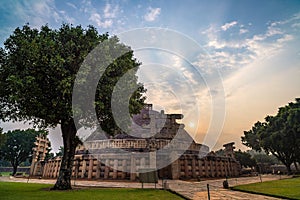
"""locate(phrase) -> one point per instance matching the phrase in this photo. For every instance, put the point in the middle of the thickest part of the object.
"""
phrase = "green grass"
(286, 188)
(10, 173)
(5, 173)
(32, 191)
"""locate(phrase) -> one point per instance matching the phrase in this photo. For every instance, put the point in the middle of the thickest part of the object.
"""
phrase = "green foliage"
(49, 155)
(278, 135)
(4, 163)
(31, 191)
(262, 157)
(41, 66)
(18, 146)
(116, 70)
(220, 152)
(245, 159)
(285, 189)
(251, 138)
(38, 69)
(60, 151)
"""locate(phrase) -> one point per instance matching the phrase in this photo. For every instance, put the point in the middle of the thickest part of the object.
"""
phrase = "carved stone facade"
(155, 141)
(39, 153)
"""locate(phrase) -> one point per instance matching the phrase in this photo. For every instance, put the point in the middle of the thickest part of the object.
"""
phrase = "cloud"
(242, 31)
(110, 12)
(38, 13)
(295, 25)
(71, 5)
(96, 18)
(104, 18)
(229, 53)
(152, 14)
(227, 26)
(295, 17)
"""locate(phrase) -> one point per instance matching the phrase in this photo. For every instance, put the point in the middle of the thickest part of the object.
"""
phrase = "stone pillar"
(193, 167)
(98, 169)
(186, 167)
(45, 169)
(221, 170)
(143, 163)
(175, 173)
(152, 161)
(218, 167)
(49, 171)
(91, 163)
(152, 123)
(83, 168)
(132, 167)
(228, 168)
(231, 168)
(124, 168)
(33, 162)
(35, 168)
(115, 169)
(206, 164)
(55, 169)
(211, 168)
(106, 170)
(200, 167)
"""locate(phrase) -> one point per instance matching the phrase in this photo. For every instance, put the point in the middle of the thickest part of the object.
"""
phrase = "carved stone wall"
(116, 167)
(39, 153)
(122, 156)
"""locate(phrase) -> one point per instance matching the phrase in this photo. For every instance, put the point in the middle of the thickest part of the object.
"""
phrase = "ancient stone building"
(39, 153)
(155, 141)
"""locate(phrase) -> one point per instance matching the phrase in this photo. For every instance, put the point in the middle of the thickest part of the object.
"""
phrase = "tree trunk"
(15, 167)
(296, 166)
(63, 181)
(288, 167)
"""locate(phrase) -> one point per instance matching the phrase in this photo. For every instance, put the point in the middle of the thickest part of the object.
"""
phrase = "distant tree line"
(252, 159)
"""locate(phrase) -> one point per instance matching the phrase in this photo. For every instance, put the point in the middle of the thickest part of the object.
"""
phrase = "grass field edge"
(178, 194)
(260, 193)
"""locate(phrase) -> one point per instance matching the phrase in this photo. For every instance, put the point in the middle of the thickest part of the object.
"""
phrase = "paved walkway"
(198, 190)
(191, 190)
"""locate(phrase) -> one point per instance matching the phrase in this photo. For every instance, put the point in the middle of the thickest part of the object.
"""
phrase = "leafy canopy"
(38, 69)
(278, 135)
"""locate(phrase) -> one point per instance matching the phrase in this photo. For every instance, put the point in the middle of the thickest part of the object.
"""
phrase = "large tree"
(39, 69)
(278, 135)
(18, 146)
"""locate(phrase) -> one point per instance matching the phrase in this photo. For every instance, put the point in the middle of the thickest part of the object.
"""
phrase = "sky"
(222, 64)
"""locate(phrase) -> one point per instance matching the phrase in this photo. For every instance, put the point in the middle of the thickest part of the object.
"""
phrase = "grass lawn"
(32, 191)
(288, 188)
(5, 173)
